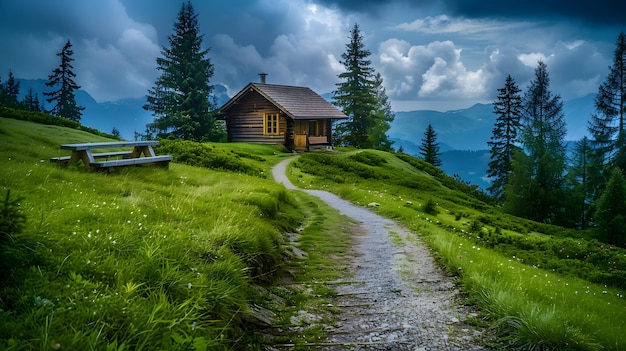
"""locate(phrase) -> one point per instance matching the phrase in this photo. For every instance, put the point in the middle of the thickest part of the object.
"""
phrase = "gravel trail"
(397, 297)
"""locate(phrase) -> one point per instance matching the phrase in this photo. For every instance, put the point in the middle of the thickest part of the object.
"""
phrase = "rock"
(259, 316)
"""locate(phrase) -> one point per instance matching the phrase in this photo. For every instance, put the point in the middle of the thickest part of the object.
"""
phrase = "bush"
(207, 156)
(430, 207)
(11, 217)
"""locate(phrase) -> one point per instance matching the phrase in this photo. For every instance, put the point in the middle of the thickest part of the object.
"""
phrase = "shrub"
(11, 217)
(430, 207)
(204, 155)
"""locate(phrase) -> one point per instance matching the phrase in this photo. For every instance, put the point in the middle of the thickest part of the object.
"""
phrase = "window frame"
(271, 123)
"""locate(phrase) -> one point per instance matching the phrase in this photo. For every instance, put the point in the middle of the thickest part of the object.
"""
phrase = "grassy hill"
(542, 287)
(146, 258)
(140, 258)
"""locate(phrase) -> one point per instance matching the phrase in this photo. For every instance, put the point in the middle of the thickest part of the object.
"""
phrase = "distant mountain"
(470, 129)
(460, 129)
(463, 135)
(471, 166)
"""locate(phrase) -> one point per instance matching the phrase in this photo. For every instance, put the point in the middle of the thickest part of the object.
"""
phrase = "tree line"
(533, 174)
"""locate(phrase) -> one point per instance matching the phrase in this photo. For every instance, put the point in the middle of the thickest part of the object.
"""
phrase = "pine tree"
(356, 95)
(181, 97)
(31, 101)
(62, 78)
(580, 179)
(429, 150)
(607, 125)
(610, 215)
(383, 116)
(504, 138)
(11, 91)
(520, 186)
(543, 138)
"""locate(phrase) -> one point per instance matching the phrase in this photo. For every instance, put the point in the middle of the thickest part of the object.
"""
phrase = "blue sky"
(432, 54)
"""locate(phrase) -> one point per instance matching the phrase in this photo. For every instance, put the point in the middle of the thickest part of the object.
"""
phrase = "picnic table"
(142, 154)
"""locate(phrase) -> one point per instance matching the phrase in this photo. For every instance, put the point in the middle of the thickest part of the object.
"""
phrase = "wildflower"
(189, 286)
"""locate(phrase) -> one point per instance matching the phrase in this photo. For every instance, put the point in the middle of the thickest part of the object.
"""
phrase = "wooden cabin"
(296, 117)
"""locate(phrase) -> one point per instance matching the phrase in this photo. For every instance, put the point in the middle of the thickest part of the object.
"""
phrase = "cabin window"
(271, 122)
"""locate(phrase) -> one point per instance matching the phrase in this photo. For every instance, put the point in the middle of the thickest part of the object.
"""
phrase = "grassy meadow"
(145, 258)
(540, 287)
(139, 258)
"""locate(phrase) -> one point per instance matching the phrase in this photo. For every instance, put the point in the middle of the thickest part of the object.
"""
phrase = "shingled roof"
(295, 102)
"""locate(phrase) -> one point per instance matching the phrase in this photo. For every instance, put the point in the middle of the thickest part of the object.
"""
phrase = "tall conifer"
(504, 138)
(383, 116)
(11, 90)
(181, 99)
(580, 179)
(543, 138)
(361, 98)
(62, 78)
(607, 126)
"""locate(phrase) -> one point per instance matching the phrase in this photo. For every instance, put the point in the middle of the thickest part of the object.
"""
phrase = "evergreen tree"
(520, 186)
(610, 215)
(504, 138)
(607, 125)
(181, 97)
(543, 138)
(62, 78)
(31, 101)
(429, 150)
(11, 91)
(580, 179)
(356, 95)
(383, 116)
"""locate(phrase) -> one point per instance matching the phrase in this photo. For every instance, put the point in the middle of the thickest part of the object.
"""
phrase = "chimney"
(262, 75)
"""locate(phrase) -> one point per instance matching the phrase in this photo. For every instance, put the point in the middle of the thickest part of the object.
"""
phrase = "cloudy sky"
(432, 54)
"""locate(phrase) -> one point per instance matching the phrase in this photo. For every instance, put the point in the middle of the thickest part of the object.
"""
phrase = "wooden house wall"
(245, 121)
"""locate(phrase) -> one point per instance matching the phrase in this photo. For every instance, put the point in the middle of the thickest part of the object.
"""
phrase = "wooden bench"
(318, 140)
(141, 155)
(106, 155)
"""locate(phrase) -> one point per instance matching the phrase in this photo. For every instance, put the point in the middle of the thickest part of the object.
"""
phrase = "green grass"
(326, 238)
(518, 272)
(140, 258)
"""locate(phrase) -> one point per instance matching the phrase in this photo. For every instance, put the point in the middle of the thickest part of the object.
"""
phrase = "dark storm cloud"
(600, 12)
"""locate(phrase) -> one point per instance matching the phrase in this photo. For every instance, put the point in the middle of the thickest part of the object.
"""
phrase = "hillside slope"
(139, 258)
(525, 276)
(151, 258)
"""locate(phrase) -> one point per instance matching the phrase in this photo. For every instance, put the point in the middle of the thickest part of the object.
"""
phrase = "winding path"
(397, 298)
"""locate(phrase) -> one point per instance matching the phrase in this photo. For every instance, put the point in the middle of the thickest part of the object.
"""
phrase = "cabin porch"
(310, 135)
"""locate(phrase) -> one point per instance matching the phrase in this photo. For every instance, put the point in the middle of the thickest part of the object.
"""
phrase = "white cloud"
(431, 71)
(531, 59)
(443, 24)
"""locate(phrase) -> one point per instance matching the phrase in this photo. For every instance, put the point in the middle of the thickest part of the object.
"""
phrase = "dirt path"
(397, 297)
